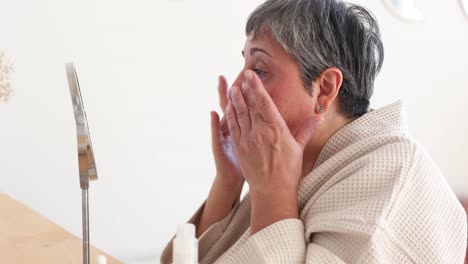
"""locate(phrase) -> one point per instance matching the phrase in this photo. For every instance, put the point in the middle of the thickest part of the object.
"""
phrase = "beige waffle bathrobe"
(374, 196)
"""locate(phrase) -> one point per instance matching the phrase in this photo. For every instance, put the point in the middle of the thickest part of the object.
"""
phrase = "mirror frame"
(86, 162)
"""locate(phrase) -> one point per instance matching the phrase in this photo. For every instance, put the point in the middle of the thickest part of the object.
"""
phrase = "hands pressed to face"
(269, 155)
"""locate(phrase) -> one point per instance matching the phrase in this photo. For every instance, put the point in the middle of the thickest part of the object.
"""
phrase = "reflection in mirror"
(464, 6)
(405, 9)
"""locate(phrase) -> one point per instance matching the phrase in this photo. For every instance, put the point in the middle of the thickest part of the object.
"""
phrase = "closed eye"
(259, 72)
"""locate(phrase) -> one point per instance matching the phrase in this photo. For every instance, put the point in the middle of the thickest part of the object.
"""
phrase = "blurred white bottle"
(101, 259)
(185, 245)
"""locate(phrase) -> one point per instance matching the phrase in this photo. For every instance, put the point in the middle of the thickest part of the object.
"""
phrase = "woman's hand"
(269, 155)
(227, 186)
(227, 167)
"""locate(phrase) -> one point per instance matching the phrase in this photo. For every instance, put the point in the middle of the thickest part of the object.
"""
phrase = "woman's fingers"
(250, 101)
(240, 106)
(223, 101)
(222, 92)
(231, 119)
(216, 135)
(224, 126)
(259, 97)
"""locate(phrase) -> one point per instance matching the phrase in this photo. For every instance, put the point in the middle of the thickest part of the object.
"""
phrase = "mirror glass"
(405, 9)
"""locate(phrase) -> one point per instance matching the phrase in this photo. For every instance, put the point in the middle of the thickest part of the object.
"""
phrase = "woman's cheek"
(271, 89)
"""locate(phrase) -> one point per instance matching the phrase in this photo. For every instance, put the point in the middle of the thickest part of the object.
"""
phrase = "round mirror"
(464, 6)
(405, 9)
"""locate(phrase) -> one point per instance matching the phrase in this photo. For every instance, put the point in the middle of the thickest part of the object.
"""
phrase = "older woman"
(329, 181)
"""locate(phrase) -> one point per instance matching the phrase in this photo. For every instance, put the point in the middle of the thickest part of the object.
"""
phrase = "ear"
(328, 85)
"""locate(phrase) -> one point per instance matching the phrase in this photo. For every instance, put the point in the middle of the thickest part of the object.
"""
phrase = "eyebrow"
(253, 50)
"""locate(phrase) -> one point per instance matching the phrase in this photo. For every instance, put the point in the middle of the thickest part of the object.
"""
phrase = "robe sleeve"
(281, 242)
(285, 242)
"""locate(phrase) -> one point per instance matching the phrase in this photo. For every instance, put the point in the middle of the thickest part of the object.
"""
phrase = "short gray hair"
(321, 34)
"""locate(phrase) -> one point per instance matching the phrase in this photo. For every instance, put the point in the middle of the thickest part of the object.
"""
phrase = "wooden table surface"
(27, 237)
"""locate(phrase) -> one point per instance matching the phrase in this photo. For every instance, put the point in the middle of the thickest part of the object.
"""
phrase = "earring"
(320, 108)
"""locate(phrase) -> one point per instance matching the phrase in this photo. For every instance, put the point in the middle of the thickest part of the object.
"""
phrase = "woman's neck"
(330, 125)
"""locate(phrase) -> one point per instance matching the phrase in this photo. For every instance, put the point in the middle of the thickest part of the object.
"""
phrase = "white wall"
(148, 72)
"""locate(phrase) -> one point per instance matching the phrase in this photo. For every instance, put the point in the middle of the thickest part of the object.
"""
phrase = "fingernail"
(248, 75)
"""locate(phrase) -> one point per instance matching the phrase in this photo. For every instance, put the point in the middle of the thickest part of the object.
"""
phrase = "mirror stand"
(86, 163)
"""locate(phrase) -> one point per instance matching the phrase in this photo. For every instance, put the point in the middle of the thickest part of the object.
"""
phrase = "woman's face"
(281, 77)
